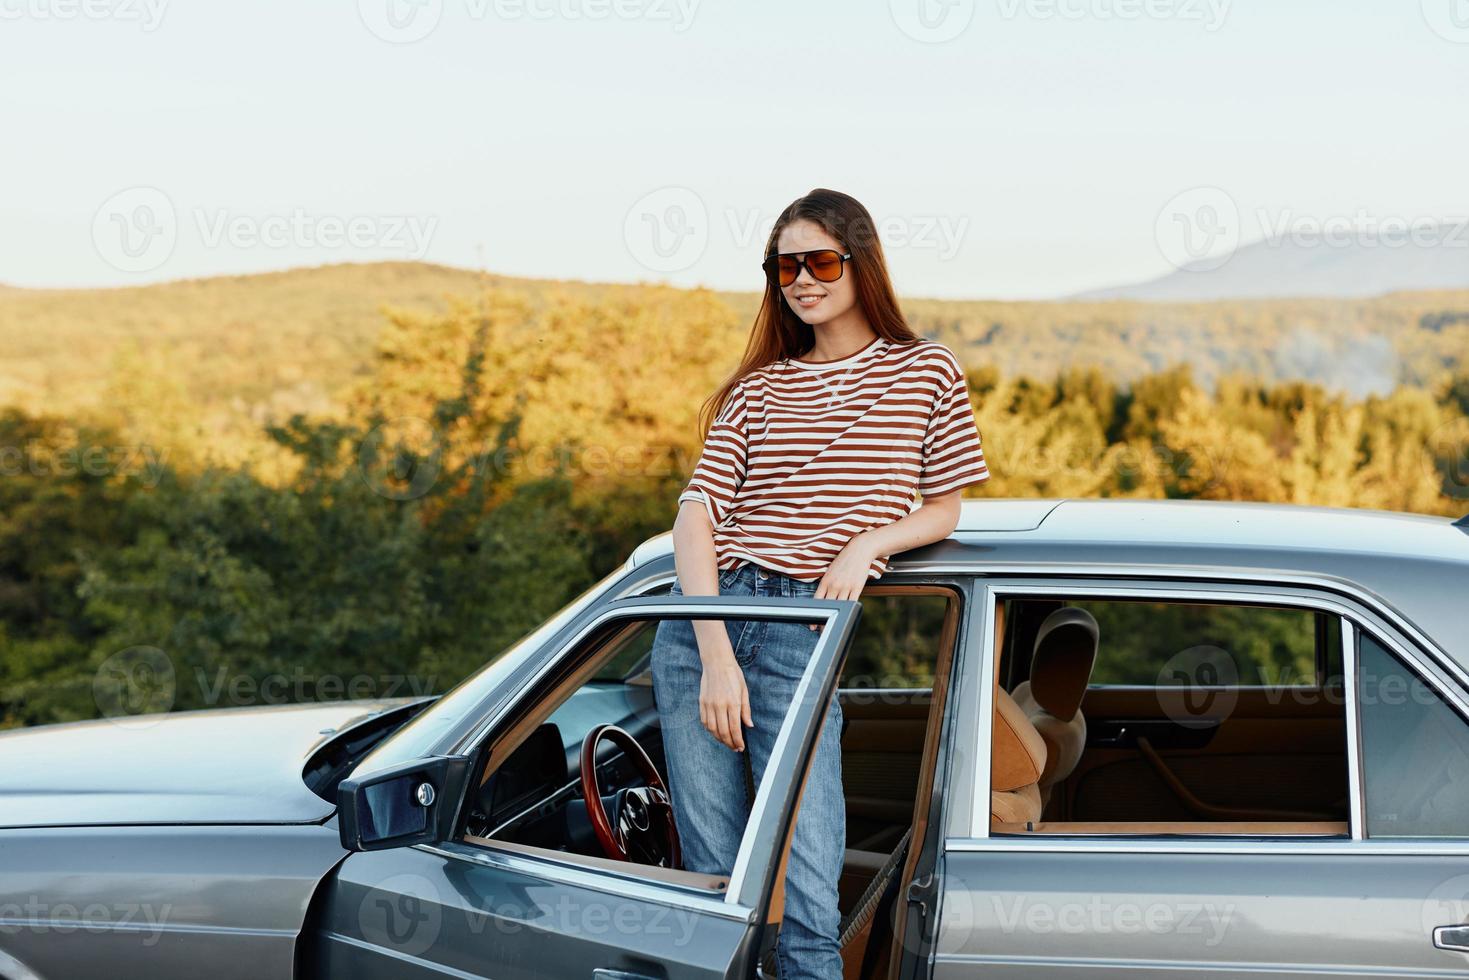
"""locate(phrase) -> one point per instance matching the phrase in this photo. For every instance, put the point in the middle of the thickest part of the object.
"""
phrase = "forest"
(366, 481)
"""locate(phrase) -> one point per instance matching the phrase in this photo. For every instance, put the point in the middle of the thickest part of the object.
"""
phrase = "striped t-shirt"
(804, 455)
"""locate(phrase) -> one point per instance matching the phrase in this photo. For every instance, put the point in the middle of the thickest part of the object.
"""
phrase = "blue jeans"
(707, 779)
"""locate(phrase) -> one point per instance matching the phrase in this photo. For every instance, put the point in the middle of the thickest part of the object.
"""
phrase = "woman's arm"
(934, 520)
(724, 700)
(693, 555)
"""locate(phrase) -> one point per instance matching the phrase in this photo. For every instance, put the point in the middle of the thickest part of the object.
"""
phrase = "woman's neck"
(840, 338)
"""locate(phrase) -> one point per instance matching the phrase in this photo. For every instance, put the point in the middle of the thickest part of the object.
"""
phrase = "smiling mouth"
(809, 301)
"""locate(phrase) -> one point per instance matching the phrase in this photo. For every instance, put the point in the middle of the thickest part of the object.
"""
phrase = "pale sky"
(1011, 148)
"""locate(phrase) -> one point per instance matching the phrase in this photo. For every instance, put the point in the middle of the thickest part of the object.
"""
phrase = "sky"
(1018, 149)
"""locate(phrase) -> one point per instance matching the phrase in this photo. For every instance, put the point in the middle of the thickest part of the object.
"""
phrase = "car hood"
(227, 765)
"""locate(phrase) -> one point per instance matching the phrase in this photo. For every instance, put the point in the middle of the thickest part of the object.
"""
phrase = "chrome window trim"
(960, 733)
(795, 608)
(984, 678)
(1302, 593)
(1356, 795)
(1225, 844)
(1237, 687)
(611, 882)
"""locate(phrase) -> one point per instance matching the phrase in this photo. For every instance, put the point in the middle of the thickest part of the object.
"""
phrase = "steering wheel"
(643, 831)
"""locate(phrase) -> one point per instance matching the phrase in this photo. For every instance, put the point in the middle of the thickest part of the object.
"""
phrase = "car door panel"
(1272, 751)
(1198, 898)
(472, 909)
(458, 911)
(1270, 913)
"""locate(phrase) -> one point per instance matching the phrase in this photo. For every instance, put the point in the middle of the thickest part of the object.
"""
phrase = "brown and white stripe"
(804, 455)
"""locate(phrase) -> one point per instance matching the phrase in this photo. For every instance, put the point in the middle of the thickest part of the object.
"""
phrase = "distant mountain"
(1290, 268)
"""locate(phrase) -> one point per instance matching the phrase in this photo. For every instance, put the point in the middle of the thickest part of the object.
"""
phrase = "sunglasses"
(825, 265)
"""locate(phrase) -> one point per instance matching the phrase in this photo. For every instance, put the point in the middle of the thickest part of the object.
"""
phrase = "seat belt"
(856, 927)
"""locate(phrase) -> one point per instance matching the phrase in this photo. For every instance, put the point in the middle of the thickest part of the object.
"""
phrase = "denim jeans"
(707, 779)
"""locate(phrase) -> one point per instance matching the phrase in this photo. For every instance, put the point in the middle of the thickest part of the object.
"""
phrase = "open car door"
(418, 900)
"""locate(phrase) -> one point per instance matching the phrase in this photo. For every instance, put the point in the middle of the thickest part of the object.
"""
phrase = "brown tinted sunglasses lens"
(825, 265)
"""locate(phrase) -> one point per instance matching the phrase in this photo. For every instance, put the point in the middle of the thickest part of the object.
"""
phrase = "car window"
(537, 790)
(1181, 644)
(1415, 751)
(897, 644)
(630, 657)
(1133, 715)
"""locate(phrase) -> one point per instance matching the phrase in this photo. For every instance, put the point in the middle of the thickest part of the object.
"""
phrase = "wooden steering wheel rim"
(592, 793)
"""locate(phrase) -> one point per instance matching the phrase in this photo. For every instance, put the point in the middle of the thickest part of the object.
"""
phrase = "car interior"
(603, 745)
(1138, 717)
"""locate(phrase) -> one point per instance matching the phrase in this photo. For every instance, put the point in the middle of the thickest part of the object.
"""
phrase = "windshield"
(424, 735)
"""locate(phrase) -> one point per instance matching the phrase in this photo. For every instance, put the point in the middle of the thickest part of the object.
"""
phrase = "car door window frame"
(742, 896)
(961, 589)
(967, 824)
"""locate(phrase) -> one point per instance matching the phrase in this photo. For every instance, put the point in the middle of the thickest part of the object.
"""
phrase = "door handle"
(1452, 937)
(601, 974)
(1108, 738)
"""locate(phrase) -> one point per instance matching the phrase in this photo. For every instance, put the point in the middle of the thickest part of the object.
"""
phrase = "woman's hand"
(847, 574)
(724, 701)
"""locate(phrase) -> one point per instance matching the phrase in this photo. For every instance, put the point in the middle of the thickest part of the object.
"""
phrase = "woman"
(837, 415)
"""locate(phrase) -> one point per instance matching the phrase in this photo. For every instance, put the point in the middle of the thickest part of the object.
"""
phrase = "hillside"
(232, 352)
(262, 343)
(486, 459)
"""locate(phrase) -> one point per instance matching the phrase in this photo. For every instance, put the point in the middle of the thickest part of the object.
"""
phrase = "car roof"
(1174, 524)
(1235, 524)
(1415, 563)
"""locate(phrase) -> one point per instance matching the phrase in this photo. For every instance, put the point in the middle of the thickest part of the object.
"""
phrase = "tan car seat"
(1016, 762)
(1060, 670)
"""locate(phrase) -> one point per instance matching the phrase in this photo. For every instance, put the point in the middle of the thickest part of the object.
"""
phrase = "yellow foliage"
(1213, 400)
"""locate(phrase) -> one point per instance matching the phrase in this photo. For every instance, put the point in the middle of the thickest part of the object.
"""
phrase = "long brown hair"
(777, 331)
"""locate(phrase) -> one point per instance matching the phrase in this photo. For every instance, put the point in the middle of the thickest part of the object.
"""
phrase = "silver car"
(1089, 738)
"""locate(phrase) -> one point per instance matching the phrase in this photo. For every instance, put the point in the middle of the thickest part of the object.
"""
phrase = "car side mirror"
(411, 803)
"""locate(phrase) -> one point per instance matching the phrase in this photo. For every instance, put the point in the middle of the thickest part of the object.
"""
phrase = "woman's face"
(814, 301)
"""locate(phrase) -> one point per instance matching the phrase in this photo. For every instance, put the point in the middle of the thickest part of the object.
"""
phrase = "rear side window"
(1187, 644)
(1415, 751)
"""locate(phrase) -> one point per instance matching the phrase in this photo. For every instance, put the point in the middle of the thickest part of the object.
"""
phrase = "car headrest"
(1019, 755)
(1061, 666)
